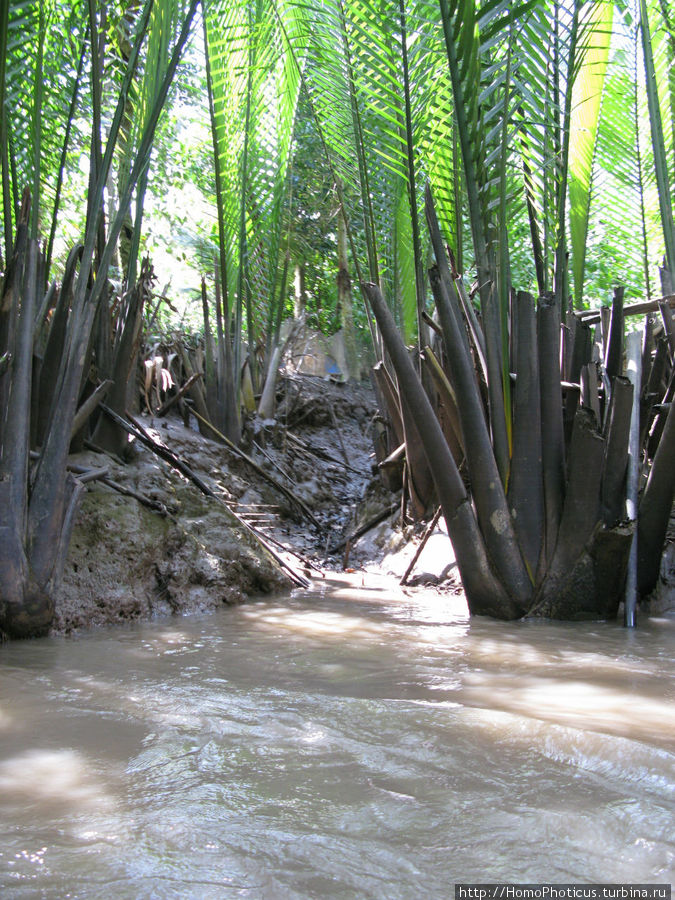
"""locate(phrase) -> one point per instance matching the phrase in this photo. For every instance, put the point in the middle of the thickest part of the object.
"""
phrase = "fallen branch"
(273, 463)
(166, 406)
(425, 537)
(371, 523)
(260, 471)
(339, 434)
(592, 316)
(89, 406)
(137, 431)
(85, 475)
(318, 452)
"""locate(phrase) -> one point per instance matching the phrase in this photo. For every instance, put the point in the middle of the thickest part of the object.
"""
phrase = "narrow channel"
(346, 742)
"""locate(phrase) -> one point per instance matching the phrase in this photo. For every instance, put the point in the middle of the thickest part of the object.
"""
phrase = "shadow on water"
(350, 741)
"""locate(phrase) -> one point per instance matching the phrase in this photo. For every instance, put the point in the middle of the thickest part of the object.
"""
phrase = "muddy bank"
(127, 561)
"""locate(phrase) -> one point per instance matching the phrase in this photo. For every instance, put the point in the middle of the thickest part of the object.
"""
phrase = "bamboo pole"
(634, 359)
(593, 316)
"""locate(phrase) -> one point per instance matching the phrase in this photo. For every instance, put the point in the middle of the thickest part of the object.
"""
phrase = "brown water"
(335, 744)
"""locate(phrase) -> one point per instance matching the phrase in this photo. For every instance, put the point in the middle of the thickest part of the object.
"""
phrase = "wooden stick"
(177, 463)
(339, 434)
(260, 471)
(371, 523)
(395, 457)
(166, 406)
(85, 475)
(89, 406)
(318, 452)
(273, 463)
(591, 316)
(422, 545)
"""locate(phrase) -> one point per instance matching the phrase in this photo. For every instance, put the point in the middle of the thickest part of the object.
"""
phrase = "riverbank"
(177, 551)
(172, 549)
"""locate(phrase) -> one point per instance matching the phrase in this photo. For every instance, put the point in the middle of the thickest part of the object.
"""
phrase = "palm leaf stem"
(457, 195)
(503, 272)
(243, 187)
(91, 228)
(7, 202)
(453, 281)
(584, 119)
(666, 13)
(64, 153)
(538, 251)
(16, 192)
(640, 174)
(560, 276)
(658, 142)
(484, 260)
(355, 259)
(275, 307)
(220, 195)
(36, 124)
(364, 177)
(420, 292)
(95, 194)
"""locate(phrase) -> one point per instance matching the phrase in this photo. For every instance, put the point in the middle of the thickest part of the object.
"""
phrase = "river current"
(336, 743)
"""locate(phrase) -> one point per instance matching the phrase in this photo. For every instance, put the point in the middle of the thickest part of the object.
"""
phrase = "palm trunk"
(484, 590)
(526, 497)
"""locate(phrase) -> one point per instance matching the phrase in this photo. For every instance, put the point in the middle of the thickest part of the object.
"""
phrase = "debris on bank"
(177, 550)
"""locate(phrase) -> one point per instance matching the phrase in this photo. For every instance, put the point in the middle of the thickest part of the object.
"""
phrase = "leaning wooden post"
(634, 360)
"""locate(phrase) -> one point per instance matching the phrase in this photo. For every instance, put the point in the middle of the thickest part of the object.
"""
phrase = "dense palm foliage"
(544, 130)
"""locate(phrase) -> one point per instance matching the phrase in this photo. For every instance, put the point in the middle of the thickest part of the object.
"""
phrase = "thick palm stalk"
(51, 361)
(655, 508)
(453, 281)
(448, 413)
(616, 457)
(25, 606)
(488, 493)
(553, 438)
(614, 349)
(526, 498)
(571, 563)
(484, 591)
(634, 373)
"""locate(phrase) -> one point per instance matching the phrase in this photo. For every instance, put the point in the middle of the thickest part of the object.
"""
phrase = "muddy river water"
(339, 744)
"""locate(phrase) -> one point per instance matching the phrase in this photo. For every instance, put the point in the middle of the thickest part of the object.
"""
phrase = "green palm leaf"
(585, 113)
(658, 139)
